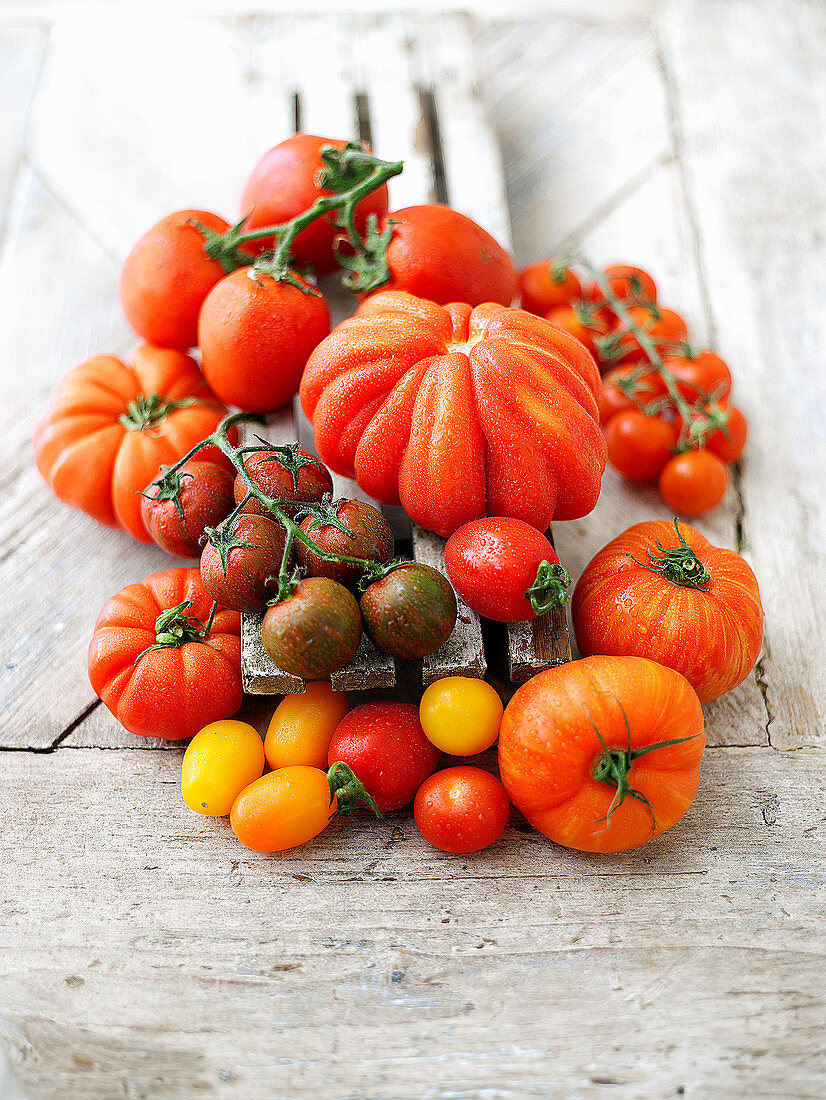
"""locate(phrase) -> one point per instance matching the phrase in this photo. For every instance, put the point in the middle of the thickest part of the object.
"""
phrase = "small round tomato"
(387, 749)
(665, 328)
(283, 809)
(728, 445)
(505, 569)
(579, 320)
(701, 375)
(256, 334)
(285, 183)
(303, 725)
(220, 761)
(314, 632)
(411, 612)
(439, 254)
(177, 512)
(166, 277)
(627, 388)
(693, 483)
(241, 562)
(461, 715)
(370, 537)
(283, 473)
(631, 284)
(461, 810)
(545, 285)
(639, 445)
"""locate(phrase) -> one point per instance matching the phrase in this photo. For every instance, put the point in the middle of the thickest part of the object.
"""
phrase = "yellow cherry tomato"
(282, 809)
(302, 727)
(220, 761)
(461, 715)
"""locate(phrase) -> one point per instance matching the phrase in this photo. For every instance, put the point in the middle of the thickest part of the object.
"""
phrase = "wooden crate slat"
(463, 654)
(370, 668)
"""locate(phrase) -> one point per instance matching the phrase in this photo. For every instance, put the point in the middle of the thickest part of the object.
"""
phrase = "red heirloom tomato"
(498, 564)
(155, 666)
(256, 334)
(370, 537)
(545, 285)
(176, 513)
(109, 426)
(639, 445)
(701, 375)
(439, 254)
(671, 596)
(241, 562)
(461, 809)
(386, 747)
(166, 277)
(284, 183)
(458, 413)
(618, 386)
(693, 483)
(603, 754)
(315, 632)
(283, 474)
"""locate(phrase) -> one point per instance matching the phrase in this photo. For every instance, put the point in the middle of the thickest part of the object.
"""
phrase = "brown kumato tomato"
(370, 537)
(286, 474)
(176, 512)
(314, 632)
(241, 563)
(411, 612)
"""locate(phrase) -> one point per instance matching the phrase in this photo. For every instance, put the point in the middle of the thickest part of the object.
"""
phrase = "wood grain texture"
(372, 966)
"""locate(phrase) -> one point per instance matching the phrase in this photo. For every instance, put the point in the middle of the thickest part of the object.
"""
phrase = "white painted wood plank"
(755, 157)
(395, 970)
(21, 55)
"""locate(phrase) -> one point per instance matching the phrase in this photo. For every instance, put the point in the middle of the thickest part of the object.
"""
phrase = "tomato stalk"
(348, 790)
(550, 588)
(174, 628)
(149, 410)
(223, 538)
(678, 564)
(351, 174)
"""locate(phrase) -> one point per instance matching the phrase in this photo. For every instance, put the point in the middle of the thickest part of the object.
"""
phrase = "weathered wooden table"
(143, 953)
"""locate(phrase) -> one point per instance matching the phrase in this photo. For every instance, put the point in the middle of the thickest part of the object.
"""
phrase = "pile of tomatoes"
(485, 422)
(665, 407)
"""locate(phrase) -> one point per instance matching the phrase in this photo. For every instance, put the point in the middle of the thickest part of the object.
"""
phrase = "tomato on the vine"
(315, 631)
(603, 754)
(461, 715)
(580, 321)
(461, 810)
(256, 334)
(662, 591)
(220, 761)
(410, 612)
(505, 569)
(370, 537)
(639, 445)
(545, 285)
(386, 747)
(285, 182)
(158, 663)
(728, 442)
(623, 388)
(241, 562)
(665, 328)
(179, 509)
(693, 483)
(631, 284)
(286, 474)
(702, 375)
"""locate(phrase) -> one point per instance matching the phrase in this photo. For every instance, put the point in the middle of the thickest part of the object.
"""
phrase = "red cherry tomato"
(632, 284)
(545, 285)
(613, 398)
(639, 445)
(256, 335)
(665, 328)
(493, 562)
(729, 445)
(702, 375)
(166, 277)
(693, 483)
(580, 321)
(461, 810)
(284, 183)
(386, 747)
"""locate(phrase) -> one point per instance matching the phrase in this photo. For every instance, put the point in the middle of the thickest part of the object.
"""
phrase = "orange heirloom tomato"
(109, 426)
(220, 761)
(458, 413)
(603, 754)
(303, 725)
(670, 595)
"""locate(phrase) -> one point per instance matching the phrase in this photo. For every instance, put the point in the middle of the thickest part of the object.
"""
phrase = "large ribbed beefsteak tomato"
(458, 413)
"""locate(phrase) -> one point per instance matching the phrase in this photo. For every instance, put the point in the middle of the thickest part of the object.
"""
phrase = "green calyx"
(169, 487)
(149, 410)
(174, 628)
(550, 588)
(222, 539)
(368, 268)
(348, 791)
(677, 564)
(289, 458)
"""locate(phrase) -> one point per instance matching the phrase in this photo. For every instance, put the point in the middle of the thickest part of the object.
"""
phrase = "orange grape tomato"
(303, 725)
(283, 809)
(220, 761)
